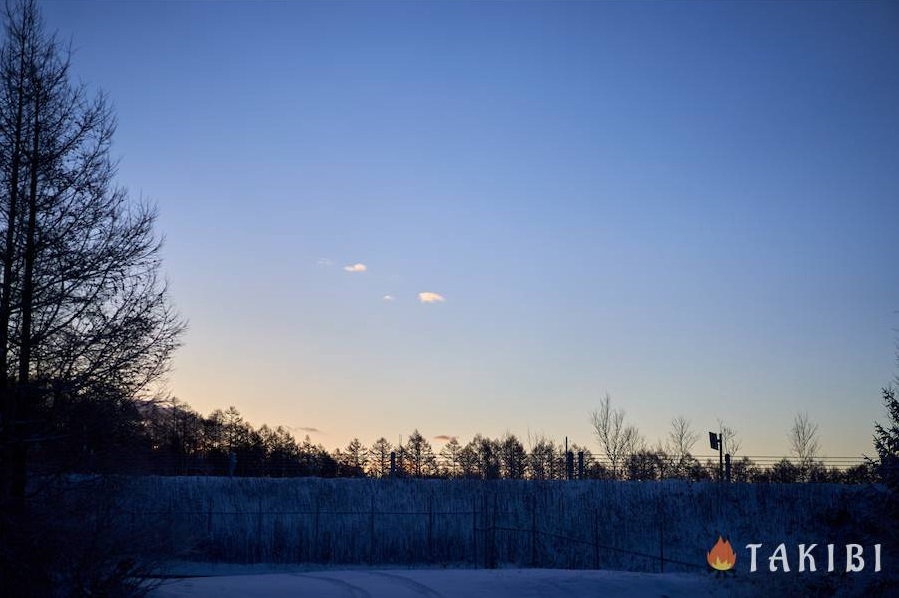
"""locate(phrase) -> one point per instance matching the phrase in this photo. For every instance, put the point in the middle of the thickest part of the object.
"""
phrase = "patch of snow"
(430, 583)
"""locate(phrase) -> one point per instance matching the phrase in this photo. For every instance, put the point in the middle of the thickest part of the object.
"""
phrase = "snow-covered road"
(429, 583)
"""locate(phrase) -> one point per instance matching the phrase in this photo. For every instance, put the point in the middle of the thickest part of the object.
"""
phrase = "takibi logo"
(721, 557)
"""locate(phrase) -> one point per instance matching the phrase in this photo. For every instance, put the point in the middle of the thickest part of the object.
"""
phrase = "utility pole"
(716, 441)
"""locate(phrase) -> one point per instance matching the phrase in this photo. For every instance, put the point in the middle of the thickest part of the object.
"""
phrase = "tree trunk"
(7, 395)
(20, 454)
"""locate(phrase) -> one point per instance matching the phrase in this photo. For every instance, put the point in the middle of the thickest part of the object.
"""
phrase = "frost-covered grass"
(578, 524)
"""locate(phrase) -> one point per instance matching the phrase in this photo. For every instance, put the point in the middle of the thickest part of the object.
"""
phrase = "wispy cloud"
(444, 437)
(429, 297)
(323, 261)
(308, 429)
(356, 268)
(388, 298)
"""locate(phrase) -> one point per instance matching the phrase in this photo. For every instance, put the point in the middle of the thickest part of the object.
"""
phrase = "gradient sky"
(692, 206)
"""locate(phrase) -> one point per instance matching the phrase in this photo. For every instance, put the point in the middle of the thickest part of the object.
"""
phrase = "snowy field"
(357, 538)
(512, 583)
(625, 526)
(267, 581)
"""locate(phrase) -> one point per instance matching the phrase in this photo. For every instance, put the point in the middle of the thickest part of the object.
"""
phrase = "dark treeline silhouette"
(173, 439)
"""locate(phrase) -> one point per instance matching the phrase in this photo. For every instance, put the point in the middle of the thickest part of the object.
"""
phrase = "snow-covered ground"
(501, 583)
(359, 538)
(221, 580)
(627, 526)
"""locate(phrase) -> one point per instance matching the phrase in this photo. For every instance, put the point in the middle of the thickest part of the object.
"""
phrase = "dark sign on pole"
(717, 443)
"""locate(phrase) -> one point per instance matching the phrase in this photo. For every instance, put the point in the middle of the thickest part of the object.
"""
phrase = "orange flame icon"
(721, 556)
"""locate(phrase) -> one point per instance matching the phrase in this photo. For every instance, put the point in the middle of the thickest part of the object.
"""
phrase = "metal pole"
(720, 456)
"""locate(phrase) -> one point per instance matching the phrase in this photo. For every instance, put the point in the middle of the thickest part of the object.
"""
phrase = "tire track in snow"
(417, 587)
(351, 591)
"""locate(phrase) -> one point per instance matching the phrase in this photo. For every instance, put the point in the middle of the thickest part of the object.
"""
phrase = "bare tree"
(418, 456)
(280, 449)
(450, 456)
(730, 438)
(470, 461)
(83, 312)
(354, 459)
(681, 438)
(513, 458)
(480, 458)
(542, 460)
(804, 440)
(379, 458)
(616, 438)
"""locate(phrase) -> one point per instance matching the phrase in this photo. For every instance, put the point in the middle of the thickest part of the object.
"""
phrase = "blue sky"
(691, 206)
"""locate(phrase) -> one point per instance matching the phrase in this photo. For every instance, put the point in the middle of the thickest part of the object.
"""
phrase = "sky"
(471, 217)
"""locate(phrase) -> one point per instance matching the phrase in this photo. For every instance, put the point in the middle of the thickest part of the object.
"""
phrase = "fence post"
(493, 534)
(260, 556)
(662, 512)
(317, 543)
(259, 519)
(580, 465)
(371, 532)
(661, 548)
(486, 534)
(431, 529)
(534, 530)
(474, 532)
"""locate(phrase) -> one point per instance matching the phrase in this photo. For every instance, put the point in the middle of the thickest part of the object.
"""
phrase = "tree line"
(174, 439)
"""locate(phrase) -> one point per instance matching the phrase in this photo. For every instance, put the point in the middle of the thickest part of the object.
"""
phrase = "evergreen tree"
(418, 456)
(886, 440)
(379, 458)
